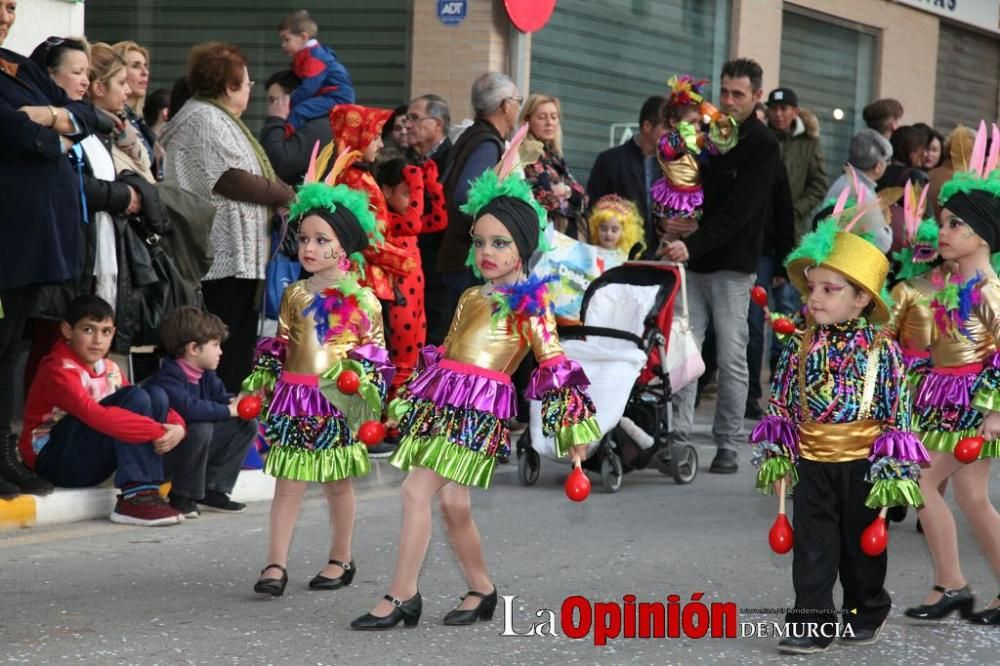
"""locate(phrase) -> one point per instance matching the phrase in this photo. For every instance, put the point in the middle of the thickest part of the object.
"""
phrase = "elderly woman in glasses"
(210, 152)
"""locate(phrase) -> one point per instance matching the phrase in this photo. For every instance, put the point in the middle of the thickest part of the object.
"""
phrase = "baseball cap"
(783, 96)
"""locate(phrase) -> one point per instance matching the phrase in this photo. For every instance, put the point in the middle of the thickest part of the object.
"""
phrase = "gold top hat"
(857, 260)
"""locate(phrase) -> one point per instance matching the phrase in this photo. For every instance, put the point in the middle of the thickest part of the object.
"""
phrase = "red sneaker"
(145, 508)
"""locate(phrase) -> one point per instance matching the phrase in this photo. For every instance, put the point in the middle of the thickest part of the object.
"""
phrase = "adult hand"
(135, 202)
(279, 106)
(680, 226)
(172, 436)
(234, 405)
(990, 428)
(675, 251)
(40, 115)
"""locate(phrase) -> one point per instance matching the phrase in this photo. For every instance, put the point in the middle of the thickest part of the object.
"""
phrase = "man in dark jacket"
(289, 154)
(39, 214)
(496, 103)
(629, 170)
(723, 254)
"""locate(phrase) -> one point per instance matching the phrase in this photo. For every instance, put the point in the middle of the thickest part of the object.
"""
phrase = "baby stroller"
(627, 313)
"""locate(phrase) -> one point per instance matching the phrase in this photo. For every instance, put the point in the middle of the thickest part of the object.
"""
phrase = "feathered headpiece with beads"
(685, 91)
(920, 235)
(973, 193)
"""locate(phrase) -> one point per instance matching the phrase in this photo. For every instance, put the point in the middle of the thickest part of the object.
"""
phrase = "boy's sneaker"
(185, 506)
(216, 501)
(145, 508)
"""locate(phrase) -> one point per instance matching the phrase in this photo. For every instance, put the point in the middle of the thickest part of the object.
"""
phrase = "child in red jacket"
(83, 421)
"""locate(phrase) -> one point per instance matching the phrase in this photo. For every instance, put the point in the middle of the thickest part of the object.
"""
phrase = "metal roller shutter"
(370, 37)
(603, 58)
(968, 68)
(829, 66)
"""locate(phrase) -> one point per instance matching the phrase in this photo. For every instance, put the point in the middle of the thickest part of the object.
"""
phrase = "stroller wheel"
(611, 472)
(528, 466)
(683, 463)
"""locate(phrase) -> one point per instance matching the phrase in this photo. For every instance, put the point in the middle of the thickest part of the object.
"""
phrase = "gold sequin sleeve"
(376, 330)
(285, 310)
(912, 322)
(989, 310)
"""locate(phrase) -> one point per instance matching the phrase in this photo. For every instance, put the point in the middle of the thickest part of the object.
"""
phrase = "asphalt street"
(99, 593)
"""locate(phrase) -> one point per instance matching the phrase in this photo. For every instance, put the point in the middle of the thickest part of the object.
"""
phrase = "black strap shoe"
(960, 600)
(988, 616)
(320, 582)
(484, 611)
(408, 612)
(273, 586)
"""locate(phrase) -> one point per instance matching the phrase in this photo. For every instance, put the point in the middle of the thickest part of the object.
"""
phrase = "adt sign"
(452, 12)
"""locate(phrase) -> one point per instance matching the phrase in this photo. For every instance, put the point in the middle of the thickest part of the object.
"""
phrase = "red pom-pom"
(348, 382)
(759, 296)
(249, 407)
(968, 448)
(783, 326)
(781, 537)
(371, 433)
(875, 537)
(577, 485)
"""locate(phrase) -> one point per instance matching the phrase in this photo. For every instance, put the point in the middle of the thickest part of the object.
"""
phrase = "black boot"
(8, 490)
(14, 471)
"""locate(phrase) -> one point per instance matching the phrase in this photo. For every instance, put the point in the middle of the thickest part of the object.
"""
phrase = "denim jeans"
(723, 296)
(77, 456)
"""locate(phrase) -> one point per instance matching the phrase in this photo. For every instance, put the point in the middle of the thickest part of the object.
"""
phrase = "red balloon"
(781, 537)
(577, 485)
(968, 448)
(371, 433)
(783, 326)
(875, 537)
(529, 15)
(759, 296)
(249, 407)
(348, 382)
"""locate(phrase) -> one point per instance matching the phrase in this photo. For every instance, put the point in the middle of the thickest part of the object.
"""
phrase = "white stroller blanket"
(612, 365)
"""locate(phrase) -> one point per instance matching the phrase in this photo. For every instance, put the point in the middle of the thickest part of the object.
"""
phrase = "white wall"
(38, 19)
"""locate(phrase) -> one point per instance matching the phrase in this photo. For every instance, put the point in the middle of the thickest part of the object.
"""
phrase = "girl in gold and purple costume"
(452, 411)
(958, 396)
(838, 426)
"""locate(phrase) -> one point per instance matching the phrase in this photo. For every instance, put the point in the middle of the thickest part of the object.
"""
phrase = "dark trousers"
(435, 297)
(210, 457)
(755, 319)
(17, 305)
(234, 300)
(77, 456)
(455, 283)
(829, 517)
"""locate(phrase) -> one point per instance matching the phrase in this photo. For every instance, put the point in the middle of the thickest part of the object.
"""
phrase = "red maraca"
(348, 382)
(371, 432)
(968, 448)
(249, 407)
(759, 296)
(876, 536)
(783, 326)
(781, 537)
(577, 485)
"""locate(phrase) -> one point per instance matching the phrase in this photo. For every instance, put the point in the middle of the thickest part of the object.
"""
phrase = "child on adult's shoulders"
(203, 469)
(83, 421)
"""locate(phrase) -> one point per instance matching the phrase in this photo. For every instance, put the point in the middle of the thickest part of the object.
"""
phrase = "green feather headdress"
(979, 172)
(506, 180)
(316, 194)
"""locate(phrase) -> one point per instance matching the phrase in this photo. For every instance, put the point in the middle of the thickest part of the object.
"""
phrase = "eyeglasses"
(414, 118)
(515, 98)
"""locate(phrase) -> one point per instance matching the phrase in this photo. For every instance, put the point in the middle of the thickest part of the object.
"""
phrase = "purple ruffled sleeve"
(568, 414)
(276, 347)
(903, 446)
(777, 430)
(269, 359)
(378, 357)
(555, 374)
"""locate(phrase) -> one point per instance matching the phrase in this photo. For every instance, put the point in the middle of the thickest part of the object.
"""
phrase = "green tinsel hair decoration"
(488, 187)
(966, 181)
(816, 245)
(320, 196)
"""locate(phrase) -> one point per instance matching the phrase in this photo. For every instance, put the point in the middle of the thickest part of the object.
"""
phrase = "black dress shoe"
(988, 616)
(753, 411)
(896, 514)
(408, 611)
(484, 611)
(273, 586)
(320, 582)
(863, 635)
(960, 600)
(724, 462)
(804, 645)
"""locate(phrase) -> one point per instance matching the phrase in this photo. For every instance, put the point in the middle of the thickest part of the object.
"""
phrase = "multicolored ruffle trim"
(894, 483)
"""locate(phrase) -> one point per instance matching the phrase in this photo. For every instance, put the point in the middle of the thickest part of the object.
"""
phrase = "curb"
(67, 505)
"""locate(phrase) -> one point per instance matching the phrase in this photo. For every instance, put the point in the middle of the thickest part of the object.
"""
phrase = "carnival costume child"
(616, 224)
(838, 425)
(958, 396)
(328, 326)
(685, 147)
(452, 412)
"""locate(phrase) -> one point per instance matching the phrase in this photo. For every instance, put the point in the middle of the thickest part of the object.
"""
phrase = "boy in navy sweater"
(204, 467)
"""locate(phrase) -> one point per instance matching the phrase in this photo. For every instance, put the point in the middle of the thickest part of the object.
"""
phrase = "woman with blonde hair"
(137, 66)
(551, 182)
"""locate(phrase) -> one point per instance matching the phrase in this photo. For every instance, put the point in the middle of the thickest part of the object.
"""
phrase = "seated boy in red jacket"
(204, 468)
(83, 421)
